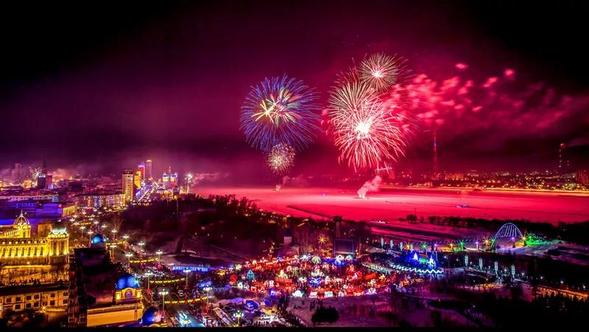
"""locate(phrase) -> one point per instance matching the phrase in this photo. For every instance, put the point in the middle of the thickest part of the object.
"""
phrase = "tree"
(322, 314)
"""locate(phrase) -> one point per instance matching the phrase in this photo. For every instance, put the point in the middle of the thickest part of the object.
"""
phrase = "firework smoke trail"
(280, 110)
(369, 186)
(366, 134)
(281, 158)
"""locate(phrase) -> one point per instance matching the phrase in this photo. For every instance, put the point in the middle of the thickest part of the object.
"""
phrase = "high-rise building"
(127, 186)
(169, 179)
(583, 177)
(49, 181)
(18, 173)
(148, 169)
(42, 181)
(561, 149)
(141, 168)
(137, 179)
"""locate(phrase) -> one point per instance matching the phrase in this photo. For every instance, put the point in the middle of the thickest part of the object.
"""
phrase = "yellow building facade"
(50, 299)
(19, 247)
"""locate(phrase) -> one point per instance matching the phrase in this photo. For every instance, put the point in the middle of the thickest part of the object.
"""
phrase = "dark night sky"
(96, 81)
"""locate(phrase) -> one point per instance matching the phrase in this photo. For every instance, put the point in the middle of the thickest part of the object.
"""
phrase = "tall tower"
(148, 169)
(561, 157)
(141, 168)
(436, 165)
(128, 186)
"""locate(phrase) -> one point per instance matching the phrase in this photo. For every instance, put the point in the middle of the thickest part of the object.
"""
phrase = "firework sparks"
(280, 110)
(366, 133)
(381, 71)
(281, 158)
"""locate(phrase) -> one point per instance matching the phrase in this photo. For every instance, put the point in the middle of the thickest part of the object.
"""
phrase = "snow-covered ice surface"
(392, 204)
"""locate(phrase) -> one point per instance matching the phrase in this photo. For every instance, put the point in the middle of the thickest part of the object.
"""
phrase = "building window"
(36, 296)
(52, 302)
(64, 293)
(36, 304)
(17, 307)
(29, 297)
(8, 299)
(52, 295)
(18, 299)
(64, 301)
(28, 306)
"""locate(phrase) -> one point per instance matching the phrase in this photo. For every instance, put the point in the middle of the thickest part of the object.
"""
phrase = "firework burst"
(366, 133)
(280, 110)
(381, 71)
(281, 158)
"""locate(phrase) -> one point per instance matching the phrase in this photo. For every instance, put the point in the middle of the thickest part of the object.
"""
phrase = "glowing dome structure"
(21, 220)
(151, 316)
(97, 240)
(127, 281)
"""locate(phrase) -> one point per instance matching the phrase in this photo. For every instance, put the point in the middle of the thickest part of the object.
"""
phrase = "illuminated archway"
(508, 231)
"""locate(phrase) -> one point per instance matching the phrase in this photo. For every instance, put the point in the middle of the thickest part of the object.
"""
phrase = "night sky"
(92, 82)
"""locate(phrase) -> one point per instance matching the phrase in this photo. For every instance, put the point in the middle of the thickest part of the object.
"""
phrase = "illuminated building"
(18, 247)
(101, 293)
(29, 196)
(148, 169)
(141, 168)
(49, 299)
(583, 177)
(18, 173)
(99, 200)
(169, 179)
(137, 180)
(39, 209)
(21, 228)
(42, 181)
(127, 186)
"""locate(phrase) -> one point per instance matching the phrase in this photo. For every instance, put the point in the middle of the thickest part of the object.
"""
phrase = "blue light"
(315, 282)
(127, 281)
(151, 316)
(97, 239)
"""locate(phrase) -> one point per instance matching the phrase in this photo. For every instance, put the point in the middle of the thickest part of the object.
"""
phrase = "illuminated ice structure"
(507, 236)
(422, 264)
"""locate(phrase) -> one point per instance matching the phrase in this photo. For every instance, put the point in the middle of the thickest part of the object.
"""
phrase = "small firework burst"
(381, 71)
(281, 158)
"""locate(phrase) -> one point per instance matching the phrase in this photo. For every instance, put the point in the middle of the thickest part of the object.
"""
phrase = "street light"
(126, 237)
(148, 274)
(187, 272)
(238, 314)
(163, 292)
